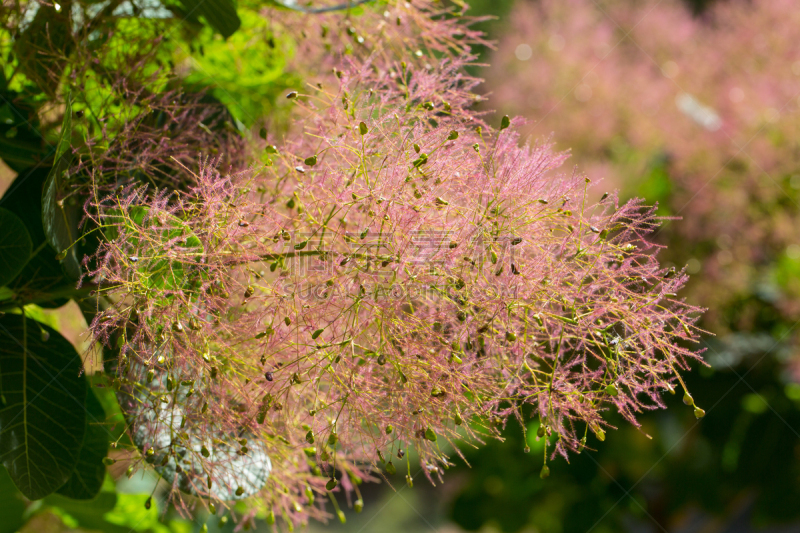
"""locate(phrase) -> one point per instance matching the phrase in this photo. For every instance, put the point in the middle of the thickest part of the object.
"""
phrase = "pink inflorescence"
(397, 275)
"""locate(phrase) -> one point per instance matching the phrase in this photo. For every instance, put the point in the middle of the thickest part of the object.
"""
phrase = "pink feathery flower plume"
(397, 275)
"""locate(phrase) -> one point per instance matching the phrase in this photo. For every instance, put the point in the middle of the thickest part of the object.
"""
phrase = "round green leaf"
(15, 246)
(42, 396)
(87, 479)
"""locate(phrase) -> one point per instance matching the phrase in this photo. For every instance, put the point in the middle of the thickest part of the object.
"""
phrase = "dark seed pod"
(269, 376)
(148, 503)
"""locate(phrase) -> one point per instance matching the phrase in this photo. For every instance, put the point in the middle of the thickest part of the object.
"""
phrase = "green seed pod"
(129, 471)
(204, 452)
(430, 435)
(457, 419)
(540, 431)
(611, 390)
(476, 147)
(687, 399)
(358, 505)
(380, 456)
(108, 461)
(526, 449)
(270, 519)
(362, 128)
(545, 472)
(148, 503)
(310, 495)
(287, 321)
(409, 481)
(699, 413)
(510, 337)
(310, 437)
(600, 434)
(382, 359)
(212, 508)
(331, 484)
(310, 161)
(505, 122)
(436, 392)
(341, 516)
(317, 333)
(390, 469)
(239, 491)
(452, 136)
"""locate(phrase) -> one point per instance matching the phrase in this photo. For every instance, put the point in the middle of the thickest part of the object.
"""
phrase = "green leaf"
(15, 246)
(21, 143)
(61, 211)
(42, 394)
(154, 270)
(12, 507)
(42, 273)
(87, 479)
(220, 14)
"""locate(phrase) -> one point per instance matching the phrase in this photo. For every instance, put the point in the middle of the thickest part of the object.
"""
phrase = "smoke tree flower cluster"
(392, 274)
(710, 100)
(395, 275)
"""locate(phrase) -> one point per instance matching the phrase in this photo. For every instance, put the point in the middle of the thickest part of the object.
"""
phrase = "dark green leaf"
(43, 273)
(15, 246)
(42, 394)
(11, 505)
(220, 14)
(61, 211)
(21, 143)
(87, 479)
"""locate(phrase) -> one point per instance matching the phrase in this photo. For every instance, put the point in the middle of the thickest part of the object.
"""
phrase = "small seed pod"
(611, 390)
(687, 399)
(331, 484)
(390, 469)
(699, 413)
(389, 429)
(526, 449)
(545, 472)
(358, 505)
(148, 503)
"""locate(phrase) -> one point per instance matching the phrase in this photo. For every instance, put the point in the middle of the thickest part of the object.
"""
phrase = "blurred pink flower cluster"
(395, 275)
(711, 99)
